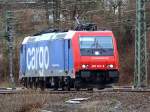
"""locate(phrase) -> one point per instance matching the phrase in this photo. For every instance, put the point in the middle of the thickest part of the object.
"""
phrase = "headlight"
(110, 66)
(96, 52)
(83, 66)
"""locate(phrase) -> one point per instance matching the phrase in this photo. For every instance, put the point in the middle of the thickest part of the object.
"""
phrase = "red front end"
(95, 56)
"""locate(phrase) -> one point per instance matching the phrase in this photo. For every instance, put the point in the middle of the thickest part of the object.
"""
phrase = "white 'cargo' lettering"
(37, 58)
(41, 57)
(33, 59)
(27, 58)
(46, 54)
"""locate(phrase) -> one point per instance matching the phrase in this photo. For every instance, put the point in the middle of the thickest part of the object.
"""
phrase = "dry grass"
(98, 102)
(28, 102)
(21, 103)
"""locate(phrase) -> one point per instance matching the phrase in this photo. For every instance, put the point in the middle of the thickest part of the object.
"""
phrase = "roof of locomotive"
(53, 36)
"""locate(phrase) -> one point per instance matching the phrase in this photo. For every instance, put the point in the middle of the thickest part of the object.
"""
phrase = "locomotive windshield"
(96, 46)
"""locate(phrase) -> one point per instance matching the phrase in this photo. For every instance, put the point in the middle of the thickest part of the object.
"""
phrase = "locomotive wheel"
(30, 83)
(62, 85)
(48, 83)
(67, 87)
(36, 83)
(77, 84)
(23, 82)
(33, 83)
(101, 87)
(27, 83)
(68, 84)
(56, 83)
(42, 85)
(90, 89)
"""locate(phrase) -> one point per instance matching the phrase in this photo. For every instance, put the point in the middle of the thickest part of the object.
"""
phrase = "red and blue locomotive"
(73, 59)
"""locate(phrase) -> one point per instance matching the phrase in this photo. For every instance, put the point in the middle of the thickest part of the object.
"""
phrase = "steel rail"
(48, 91)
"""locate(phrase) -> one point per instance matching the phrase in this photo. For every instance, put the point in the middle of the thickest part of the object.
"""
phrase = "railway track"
(50, 91)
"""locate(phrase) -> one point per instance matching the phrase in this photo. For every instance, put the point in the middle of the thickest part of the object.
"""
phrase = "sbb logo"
(37, 58)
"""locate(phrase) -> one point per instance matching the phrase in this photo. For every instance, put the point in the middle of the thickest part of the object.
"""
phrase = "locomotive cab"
(96, 57)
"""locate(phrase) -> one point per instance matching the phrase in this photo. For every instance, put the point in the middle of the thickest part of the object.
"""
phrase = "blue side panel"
(22, 60)
(46, 58)
(57, 55)
(66, 56)
(37, 58)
